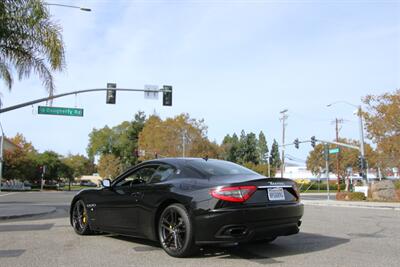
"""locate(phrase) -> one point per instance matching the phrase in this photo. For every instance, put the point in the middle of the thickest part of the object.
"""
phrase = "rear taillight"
(296, 191)
(234, 193)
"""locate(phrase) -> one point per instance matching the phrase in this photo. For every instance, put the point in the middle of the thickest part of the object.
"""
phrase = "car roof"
(173, 161)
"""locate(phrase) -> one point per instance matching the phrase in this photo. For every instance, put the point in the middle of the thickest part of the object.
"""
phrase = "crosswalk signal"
(296, 143)
(111, 96)
(167, 95)
(313, 141)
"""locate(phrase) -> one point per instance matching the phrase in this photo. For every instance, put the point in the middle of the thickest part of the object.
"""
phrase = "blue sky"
(234, 63)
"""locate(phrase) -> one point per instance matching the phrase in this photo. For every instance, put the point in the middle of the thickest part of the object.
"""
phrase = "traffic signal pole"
(362, 150)
(1, 155)
(44, 99)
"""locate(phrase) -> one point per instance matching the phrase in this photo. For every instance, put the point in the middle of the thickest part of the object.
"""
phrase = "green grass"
(320, 191)
(75, 187)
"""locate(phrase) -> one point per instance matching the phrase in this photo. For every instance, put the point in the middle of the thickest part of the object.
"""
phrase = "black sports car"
(188, 202)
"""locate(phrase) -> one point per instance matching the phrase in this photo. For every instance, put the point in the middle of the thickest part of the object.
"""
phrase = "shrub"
(397, 184)
(352, 196)
(398, 194)
(356, 196)
(341, 195)
(323, 186)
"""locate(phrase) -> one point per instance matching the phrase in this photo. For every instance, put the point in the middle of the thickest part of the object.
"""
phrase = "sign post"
(327, 168)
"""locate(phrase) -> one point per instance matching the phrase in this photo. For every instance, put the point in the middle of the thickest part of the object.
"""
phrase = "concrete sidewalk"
(353, 204)
(21, 211)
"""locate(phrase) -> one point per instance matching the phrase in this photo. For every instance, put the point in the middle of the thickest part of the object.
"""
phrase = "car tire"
(80, 219)
(176, 233)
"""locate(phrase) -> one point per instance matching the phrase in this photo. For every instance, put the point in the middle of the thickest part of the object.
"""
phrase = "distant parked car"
(88, 183)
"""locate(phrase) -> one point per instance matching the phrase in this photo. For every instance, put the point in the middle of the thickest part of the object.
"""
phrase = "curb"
(27, 215)
(351, 205)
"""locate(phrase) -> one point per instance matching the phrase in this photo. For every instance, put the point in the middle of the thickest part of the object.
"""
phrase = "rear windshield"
(219, 167)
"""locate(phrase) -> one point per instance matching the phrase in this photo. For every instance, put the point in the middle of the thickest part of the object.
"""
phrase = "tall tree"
(226, 147)
(262, 147)
(234, 151)
(21, 163)
(29, 41)
(52, 161)
(109, 166)
(121, 140)
(229, 148)
(274, 160)
(79, 164)
(174, 136)
(241, 147)
(383, 126)
(250, 151)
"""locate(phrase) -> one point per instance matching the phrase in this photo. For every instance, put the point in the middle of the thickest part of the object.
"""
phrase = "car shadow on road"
(263, 253)
(266, 253)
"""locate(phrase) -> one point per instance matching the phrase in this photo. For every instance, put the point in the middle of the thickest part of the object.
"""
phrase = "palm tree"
(29, 41)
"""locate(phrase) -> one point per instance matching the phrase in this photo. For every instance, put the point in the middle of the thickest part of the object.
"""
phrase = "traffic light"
(42, 169)
(313, 141)
(296, 143)
(167, 95)
(361, 164)
(111, 96)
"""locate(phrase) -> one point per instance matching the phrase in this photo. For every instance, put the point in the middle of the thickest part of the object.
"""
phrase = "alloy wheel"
(172, 230)
(79, 217)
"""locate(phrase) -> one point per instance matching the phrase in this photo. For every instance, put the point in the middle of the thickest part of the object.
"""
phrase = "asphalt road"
(330, 236)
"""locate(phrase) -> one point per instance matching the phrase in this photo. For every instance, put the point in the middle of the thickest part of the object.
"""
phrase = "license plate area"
(276, 194)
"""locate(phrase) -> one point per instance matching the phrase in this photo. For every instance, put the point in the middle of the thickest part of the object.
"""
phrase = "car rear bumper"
(243, 225)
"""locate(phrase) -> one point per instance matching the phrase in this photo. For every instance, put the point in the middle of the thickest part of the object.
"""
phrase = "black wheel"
(175, 231)
(80, 219)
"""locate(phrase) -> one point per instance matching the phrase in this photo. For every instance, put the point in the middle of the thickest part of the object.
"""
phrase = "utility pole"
(183, 143)
(327, 168)
(337, 122)
(283, 119)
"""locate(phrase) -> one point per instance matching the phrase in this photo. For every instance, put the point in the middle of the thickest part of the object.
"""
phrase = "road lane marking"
(12, 193)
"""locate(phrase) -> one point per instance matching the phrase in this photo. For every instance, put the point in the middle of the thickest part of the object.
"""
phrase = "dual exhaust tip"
(241, 231)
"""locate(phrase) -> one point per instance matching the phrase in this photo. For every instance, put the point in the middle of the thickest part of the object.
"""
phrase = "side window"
(162, 173)
(139, 176)
(125, 182)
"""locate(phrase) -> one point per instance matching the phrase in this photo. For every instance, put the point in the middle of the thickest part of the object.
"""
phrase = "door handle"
(137, 194)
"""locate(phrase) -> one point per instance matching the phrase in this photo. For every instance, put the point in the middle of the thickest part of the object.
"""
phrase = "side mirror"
(106, 183)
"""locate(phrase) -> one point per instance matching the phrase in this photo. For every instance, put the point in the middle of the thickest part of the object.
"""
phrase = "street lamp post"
(68, 6)
(361, 130)
(283, 119)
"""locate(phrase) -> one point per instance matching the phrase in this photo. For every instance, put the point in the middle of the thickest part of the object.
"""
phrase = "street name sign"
(76, 112)
(334, 150)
